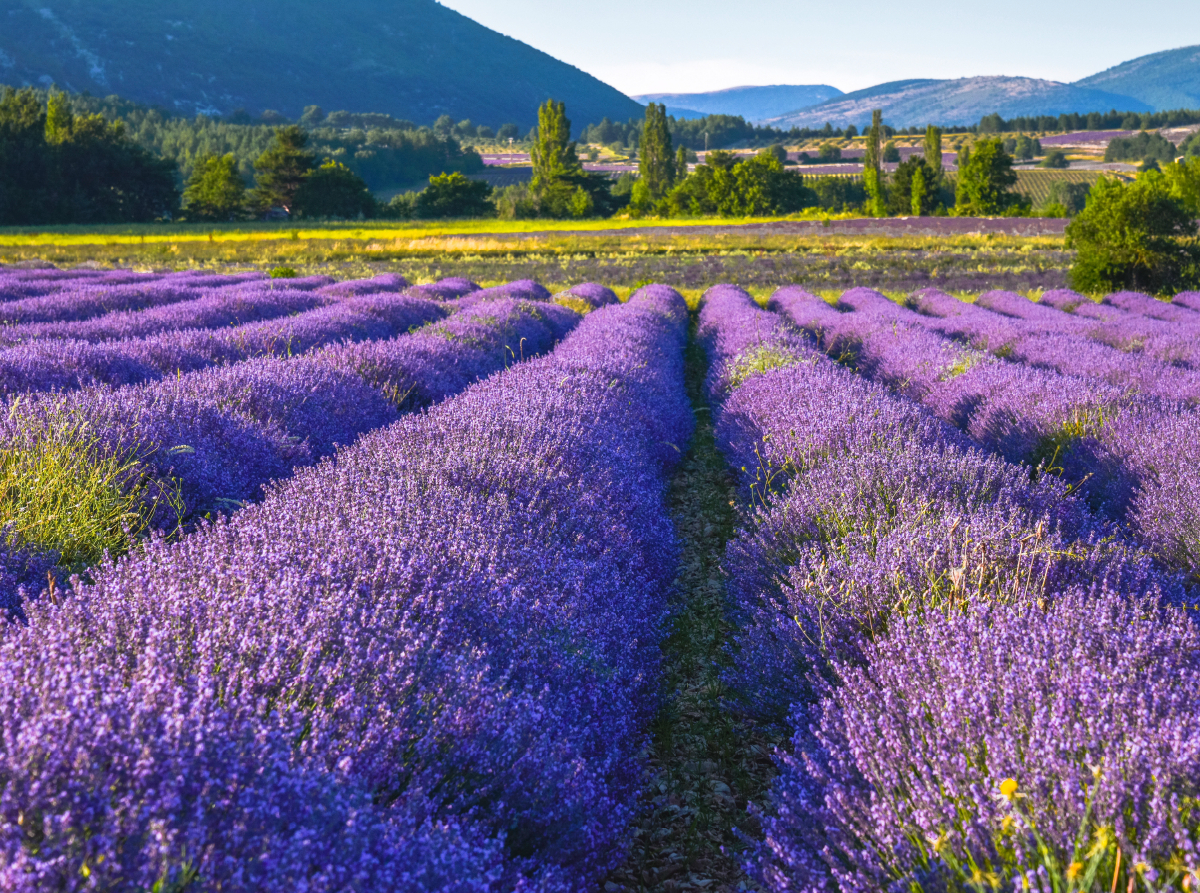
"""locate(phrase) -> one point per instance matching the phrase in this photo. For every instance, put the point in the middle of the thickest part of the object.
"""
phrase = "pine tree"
(933, 150)
(872, 177)
(656, 162)
(282, 168)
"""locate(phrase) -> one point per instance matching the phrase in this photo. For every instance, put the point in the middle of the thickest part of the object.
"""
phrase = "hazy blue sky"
(651, 46)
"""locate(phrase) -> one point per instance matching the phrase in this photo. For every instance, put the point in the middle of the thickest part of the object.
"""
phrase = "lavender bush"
(1013, 747)
(885, 584)
(61, 365)
(427, 665)
(206, 443)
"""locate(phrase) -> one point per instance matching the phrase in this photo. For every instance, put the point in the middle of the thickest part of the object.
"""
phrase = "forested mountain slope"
(413, 59)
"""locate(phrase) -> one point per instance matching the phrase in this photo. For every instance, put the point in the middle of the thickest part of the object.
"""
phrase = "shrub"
(1137, 237)
(1056, 159)
(454, 195)
(333, 190)
(1071, 198)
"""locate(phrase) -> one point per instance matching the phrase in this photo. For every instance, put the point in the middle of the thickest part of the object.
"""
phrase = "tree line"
(723, 131)
(80, 159)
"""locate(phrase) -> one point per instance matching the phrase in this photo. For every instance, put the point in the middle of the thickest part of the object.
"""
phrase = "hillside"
(962, 101)
(752, 103)
(1167, 80)
(413, 59)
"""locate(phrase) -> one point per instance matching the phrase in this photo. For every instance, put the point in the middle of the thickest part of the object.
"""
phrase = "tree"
(1183, 180)
(891, 154)
(553, 155)
(777, 152)
(872, 176)
(933, 151)
(1136, 236)
(912, 189)
(454, 195)
(1056, 159)
(829, 153)
(58, 118)
(757, 186)
(508, 132)
(57, 166)
(985, 181)
(560, 186)
(312, 117)
(281, 169)
(444, 126)
(682, 159)
(1066, 199)
(656, 160)
(1143, 147)
(215, 191)
(333, 190)
(1026, 148)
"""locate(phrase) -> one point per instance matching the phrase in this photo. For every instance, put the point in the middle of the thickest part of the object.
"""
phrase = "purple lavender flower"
(427, 665)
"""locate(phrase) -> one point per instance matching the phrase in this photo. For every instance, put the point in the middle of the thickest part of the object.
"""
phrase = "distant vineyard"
(1036, 184)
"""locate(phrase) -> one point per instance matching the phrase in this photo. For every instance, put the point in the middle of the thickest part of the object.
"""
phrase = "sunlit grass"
(63, 492)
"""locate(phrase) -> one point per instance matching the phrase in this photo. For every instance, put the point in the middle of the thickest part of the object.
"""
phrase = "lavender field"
(368, 585)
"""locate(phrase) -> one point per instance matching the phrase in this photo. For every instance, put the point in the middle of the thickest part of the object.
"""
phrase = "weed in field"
(62, 491)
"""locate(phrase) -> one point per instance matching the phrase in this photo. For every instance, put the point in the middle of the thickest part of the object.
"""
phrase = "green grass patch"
(62, 491)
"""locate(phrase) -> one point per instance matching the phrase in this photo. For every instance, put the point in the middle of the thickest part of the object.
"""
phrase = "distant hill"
(952, 102)
(1167, 80)
(752, 103)
(413, 59)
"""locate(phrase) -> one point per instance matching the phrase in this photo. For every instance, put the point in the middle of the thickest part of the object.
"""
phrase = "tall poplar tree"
(872, 176)
(560, 186)
(933, 150)
(554, 158)
(656, 161)
(681, 164)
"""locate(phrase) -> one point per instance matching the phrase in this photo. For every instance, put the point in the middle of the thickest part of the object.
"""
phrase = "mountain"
(962, 101)
(1167, 80)
(752, 103)
(413, 59)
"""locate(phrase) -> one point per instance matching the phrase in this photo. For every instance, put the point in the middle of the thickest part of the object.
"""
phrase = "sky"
(693, 46)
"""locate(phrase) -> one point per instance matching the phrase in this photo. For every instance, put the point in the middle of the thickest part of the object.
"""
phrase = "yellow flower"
(1008, 787)
(1073, 870)
(1007, 824)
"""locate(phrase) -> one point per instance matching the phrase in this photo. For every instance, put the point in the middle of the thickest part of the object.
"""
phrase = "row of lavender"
(987, 686)
(426, 665)
(204, 443)
(1121, 425)
(230, 324)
